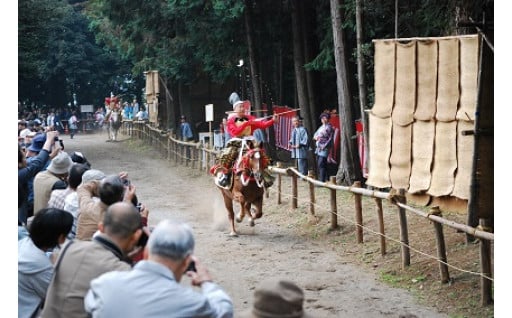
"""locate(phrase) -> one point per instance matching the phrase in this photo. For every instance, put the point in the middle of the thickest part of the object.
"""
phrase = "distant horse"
(247, 187)
(114, 122)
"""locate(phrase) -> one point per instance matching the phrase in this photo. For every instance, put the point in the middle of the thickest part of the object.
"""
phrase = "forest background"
(313, 55)
(90, 48)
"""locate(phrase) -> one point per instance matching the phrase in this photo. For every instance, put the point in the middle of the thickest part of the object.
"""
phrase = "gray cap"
(92, 174)
(60, 164)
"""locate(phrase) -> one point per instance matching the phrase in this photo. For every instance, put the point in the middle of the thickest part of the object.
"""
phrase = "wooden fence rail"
(198, 156)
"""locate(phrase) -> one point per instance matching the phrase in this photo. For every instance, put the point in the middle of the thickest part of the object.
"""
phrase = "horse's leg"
(239, 197)
(109, 131)
(256, 210)
(228, 202)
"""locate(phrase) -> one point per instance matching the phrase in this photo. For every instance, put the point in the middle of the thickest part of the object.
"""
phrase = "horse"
(114, 120)
(247, 187)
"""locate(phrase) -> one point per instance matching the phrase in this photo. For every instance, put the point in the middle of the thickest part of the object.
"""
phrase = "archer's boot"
(223, 179)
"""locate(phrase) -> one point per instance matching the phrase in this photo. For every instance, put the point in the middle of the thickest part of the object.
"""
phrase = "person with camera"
(112, 189)
(153, 289)
(54, 177)
(80, 262)
(35, 160)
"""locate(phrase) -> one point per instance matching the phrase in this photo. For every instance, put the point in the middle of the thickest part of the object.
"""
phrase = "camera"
(126, 182)
(61, 143)
(191, 267)
(143, 240)
(139, 207)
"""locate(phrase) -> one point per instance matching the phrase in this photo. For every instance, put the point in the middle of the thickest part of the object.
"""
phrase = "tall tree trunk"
(361, 76)
(306, 19)
(349, 169)
(298, 62)
(253, 67)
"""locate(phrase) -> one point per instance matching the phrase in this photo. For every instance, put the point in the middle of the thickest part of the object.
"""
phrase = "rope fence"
(200, 157)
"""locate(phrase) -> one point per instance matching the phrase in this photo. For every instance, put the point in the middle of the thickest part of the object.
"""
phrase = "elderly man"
(82, 261)
(153, 289)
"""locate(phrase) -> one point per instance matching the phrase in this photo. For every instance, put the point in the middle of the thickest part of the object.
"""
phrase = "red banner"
(283, 130)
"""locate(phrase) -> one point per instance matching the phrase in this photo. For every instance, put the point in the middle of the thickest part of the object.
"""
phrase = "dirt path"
(333, 286)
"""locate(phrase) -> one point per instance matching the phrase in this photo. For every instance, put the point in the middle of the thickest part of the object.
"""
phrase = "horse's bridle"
(255, 173)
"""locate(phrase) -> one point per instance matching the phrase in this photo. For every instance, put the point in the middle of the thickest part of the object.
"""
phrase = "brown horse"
(246, 188)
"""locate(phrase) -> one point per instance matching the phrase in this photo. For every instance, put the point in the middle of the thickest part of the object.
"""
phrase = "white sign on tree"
(209, 112)
(208, 109)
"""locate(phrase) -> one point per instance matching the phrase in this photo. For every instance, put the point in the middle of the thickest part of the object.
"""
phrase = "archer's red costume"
(238, 127)
(246, 125)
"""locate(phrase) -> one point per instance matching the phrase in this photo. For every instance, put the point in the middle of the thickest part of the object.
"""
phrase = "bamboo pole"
(334, 207)
(486, 266)
(359, 213)
(441, 247)
(462, 227)
(404, 235)
(425, 38)
(380, 216)
(385, 195)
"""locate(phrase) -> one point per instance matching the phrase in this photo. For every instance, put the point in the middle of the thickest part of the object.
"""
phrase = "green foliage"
(70, 46)
(58, 56)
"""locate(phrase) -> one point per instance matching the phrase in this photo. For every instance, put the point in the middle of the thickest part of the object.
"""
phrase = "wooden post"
(188, 154)
(380, 216)
(334, 206)
(404, 235)
(294, 191)
(177, 152)
(279, 181)
(168, 148)
(485, 264)
(193, 157)
(197, 158)
(441, 249)
(359, 213)
(312, 200)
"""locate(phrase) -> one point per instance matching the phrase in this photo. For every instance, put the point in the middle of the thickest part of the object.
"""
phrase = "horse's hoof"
(238, 220)
(233, 234)
(251, 223)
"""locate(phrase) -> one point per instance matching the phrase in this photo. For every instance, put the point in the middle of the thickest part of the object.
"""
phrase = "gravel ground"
(334, 287)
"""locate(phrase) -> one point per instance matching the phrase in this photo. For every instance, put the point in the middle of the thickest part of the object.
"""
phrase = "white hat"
(237, 103)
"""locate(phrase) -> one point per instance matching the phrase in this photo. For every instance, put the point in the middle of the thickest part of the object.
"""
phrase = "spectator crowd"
(85, 248)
